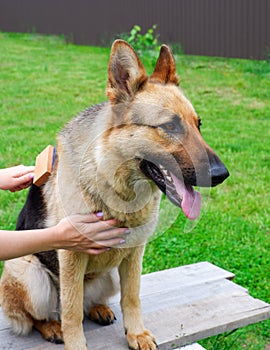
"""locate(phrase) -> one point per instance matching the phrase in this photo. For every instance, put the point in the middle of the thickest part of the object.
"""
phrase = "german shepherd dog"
(116, 157)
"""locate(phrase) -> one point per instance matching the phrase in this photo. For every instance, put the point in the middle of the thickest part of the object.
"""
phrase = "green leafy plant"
(142, 42)
(147, 44)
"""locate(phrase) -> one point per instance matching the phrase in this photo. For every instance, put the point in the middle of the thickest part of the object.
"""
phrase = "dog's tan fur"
(88, 150)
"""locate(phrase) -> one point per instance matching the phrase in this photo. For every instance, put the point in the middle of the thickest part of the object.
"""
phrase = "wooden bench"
(180, 306)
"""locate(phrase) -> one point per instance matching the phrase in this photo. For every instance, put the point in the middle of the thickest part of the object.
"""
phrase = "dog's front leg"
(72, 269)
(130, 275)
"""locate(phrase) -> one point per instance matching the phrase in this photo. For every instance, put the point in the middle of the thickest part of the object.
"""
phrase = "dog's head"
(161, 128)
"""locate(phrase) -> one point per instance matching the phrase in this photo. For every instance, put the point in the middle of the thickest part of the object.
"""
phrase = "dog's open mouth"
(180, 194)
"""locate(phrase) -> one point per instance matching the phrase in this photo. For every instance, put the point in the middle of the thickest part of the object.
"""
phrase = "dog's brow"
(176, 118)
(147, 125)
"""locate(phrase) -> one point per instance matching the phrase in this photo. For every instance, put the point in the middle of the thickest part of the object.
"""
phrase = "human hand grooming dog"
(80, 233)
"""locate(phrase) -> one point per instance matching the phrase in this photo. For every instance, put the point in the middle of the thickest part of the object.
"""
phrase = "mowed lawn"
(44, 82)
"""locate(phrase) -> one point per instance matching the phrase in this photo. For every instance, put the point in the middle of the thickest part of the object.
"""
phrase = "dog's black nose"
(218, 171)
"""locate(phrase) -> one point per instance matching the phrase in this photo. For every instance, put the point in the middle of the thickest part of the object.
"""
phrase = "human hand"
(16, 178)
(89, 234)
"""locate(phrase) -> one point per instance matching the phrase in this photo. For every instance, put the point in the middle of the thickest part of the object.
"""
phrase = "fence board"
(230, 28)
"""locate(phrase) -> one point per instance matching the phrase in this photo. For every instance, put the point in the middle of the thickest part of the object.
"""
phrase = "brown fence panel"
(229, 28)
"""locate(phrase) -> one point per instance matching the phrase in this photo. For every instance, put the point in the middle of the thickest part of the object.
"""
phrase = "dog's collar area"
(54, 158)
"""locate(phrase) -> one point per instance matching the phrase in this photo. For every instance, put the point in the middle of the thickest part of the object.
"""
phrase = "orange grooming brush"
(44, 165)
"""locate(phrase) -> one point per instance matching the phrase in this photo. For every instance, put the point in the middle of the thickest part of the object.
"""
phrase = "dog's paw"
(143, 341)
(50, 331)
(101, 314)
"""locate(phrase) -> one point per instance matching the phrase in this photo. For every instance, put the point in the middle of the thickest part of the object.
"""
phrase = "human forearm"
(18, 243)
(81, 233)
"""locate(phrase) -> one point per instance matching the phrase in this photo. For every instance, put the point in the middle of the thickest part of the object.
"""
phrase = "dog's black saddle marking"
(32, 216)
(50, 260)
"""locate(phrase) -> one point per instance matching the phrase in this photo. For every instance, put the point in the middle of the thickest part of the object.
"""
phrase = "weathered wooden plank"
(180, 306)
(195, 346)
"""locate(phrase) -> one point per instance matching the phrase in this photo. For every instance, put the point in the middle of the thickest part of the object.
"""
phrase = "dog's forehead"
(165, 101)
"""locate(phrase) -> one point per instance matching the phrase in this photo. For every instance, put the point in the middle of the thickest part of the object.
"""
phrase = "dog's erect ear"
(126, 74)
(165, 70)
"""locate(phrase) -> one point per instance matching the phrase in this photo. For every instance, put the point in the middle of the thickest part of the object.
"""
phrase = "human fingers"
(86, 218)
(118, 233)
(101, 248)
(94, 217)
(96, 251)
(108, 243)
(21, 170)
(79, 220)
(23, 181)
(99, 229)
(90, 224)
(21, 187)
(14, 189)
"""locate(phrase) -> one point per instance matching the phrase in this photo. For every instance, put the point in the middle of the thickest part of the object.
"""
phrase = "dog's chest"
(105, 262)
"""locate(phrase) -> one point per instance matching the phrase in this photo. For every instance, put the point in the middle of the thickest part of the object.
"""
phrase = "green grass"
(44, 82)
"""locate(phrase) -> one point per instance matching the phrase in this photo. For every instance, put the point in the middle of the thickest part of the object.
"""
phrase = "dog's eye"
(170, 127)
(173, 126)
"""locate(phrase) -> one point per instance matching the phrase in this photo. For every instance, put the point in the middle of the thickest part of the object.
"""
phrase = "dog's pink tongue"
(191, 199)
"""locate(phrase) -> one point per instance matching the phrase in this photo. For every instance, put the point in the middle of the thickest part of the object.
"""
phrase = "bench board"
(180, 306)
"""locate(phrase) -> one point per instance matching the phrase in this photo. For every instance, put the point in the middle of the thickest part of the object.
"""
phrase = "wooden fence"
(229, 28)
